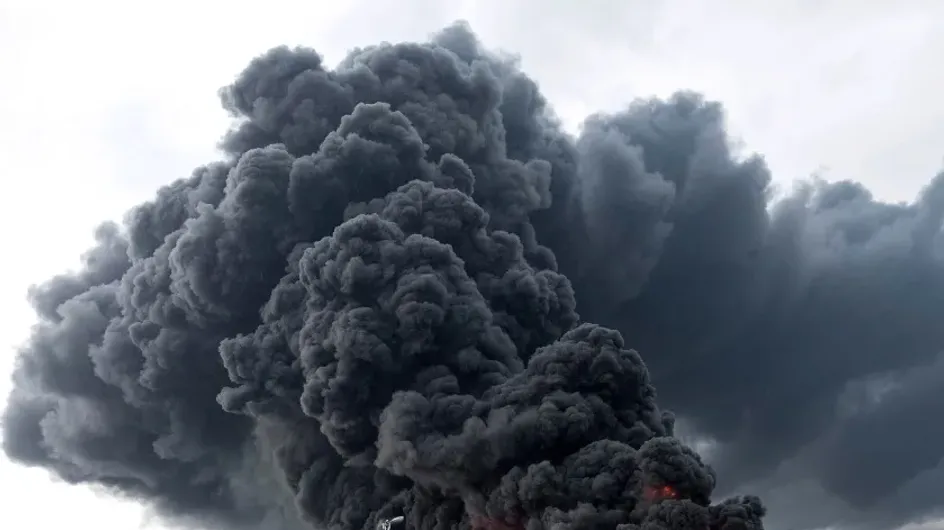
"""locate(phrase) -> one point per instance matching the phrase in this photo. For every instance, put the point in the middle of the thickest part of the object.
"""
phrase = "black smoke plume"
(370, 309)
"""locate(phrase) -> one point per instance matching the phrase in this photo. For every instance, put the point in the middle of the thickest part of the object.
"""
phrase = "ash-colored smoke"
(369, 309)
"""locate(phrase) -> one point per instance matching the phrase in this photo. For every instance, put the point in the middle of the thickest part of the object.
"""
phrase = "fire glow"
(658, 493)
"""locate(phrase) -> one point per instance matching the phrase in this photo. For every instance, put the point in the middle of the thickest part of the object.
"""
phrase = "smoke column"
(370, 308)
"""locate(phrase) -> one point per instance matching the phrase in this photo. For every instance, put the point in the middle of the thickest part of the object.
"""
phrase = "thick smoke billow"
(370, 308)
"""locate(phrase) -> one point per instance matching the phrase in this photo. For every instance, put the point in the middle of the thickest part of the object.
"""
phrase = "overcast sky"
(101, 104)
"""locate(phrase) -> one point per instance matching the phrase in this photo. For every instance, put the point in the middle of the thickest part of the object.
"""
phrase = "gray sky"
(104, 101)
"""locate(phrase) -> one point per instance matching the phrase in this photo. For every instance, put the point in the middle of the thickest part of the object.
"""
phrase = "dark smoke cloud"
(370, 309)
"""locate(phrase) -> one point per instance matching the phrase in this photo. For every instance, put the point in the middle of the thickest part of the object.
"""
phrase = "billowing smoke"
(369, 309)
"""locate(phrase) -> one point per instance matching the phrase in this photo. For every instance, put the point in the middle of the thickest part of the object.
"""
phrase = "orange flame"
(654, 493)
